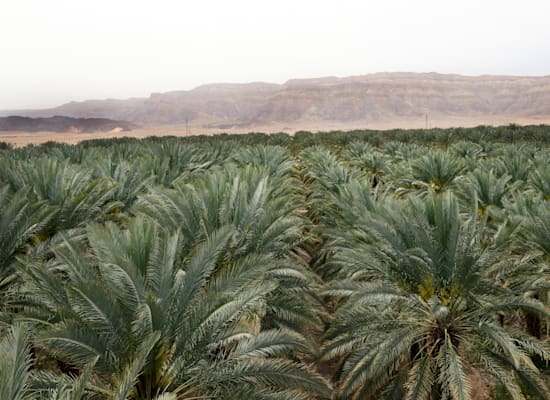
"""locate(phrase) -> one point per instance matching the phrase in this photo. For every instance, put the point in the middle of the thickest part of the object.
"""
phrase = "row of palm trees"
(217, 271)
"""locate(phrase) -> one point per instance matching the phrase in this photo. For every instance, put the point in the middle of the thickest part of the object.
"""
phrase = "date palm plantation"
(424, 293)
(358, 265)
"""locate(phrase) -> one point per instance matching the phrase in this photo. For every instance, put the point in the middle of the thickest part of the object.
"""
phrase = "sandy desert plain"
(19, 139)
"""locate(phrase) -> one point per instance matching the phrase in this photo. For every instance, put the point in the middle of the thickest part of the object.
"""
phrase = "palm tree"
(173, 161)
(467, 150)
(401, 151)
(534, 234)
(262, 209)
(15, 362)
(164, 322)
(491, 192)
(19, 382)
(539, 178)
(420, 305)
(363, 157)
(264, 212)
(21, 218)
(276, 161)
(77, 197)
(433, 172)
(324, 177)
(515, 163)
(131, 178)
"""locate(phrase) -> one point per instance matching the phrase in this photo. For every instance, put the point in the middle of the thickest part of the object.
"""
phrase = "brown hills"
(381, 100)
(63, 124)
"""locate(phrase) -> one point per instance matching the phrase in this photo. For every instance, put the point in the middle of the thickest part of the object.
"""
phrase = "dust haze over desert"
(141, 68)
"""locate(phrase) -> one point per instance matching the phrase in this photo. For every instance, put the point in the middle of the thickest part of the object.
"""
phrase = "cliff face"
(391, 96)
(375, 98)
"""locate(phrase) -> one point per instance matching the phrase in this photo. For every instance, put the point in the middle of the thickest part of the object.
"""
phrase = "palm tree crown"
(421, 304)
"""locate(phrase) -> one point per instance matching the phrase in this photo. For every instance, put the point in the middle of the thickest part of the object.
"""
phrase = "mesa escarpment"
(383, 99)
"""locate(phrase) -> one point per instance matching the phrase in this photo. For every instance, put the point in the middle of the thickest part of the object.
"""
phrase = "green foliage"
(419, 294)
(337, 265)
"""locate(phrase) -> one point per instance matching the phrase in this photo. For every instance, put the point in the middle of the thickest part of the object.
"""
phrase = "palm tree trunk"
(533, 325)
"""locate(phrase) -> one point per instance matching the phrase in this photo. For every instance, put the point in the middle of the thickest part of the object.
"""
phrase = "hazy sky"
(54, 51)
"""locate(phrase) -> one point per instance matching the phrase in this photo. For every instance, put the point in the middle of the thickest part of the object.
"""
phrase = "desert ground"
(19, 139)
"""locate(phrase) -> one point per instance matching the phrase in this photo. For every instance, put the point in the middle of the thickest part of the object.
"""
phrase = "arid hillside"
(382, 100)
(63, 124)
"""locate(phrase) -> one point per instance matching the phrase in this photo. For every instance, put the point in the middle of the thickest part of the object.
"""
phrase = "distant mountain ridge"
(63, 124)
(366, 99)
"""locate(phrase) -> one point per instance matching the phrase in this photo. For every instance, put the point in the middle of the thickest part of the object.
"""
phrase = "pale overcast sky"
(54, 51)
